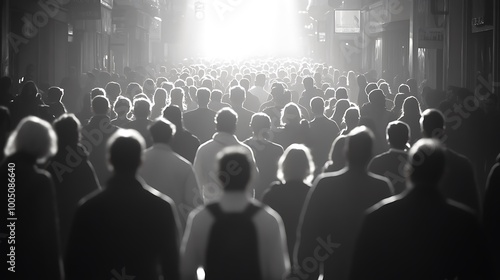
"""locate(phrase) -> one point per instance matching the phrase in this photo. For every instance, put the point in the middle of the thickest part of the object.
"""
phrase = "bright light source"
(200, 273)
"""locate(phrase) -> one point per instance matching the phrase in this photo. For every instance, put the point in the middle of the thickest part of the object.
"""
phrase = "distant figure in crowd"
(237, 96)
(258, 90)
(421, 234)
(411, 116)
(200, 121)
(159, 103)
(335, 206)
(37, 253)
(183, 143)
(122, 109)
(54, 97)
(142, 111)
(216, 103)
(169, 173)
(128, 228)
(235, 236)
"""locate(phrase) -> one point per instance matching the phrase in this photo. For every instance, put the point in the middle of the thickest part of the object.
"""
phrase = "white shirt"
(172, 175)
(261, 93)
(206, 165)
(271, 238)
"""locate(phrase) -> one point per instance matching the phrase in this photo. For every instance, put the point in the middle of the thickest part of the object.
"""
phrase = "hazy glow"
(244, 28)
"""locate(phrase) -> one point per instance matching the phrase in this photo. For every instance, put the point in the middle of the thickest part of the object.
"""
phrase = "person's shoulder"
(180, 161)
(460, 209)
(157, 199)
(387, 205)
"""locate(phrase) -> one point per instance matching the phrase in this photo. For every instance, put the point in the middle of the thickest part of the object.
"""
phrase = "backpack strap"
(217, 212)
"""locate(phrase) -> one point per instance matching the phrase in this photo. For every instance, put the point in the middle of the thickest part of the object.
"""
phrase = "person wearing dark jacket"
(32, 222)
(74, 176)
(126, 229)
(184, 142)
(421, 234)
(200, 121)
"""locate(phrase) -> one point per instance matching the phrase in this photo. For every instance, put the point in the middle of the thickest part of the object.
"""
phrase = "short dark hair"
(203, 96)
(125, 148)
(237, 95)
(122, 102)
(67, 128)
(359, 146)
(432, 123)
(100, 105)
(260, 79)
(226, 120)
(174, 114)
(54, 94)
(97, 92)
(341, 93)
(113, 90)
(234, 168)
(261, 124)
(142, 108)
(317, 105)
(398, 134)
(426, 162)
(162, 131)
(404, 88)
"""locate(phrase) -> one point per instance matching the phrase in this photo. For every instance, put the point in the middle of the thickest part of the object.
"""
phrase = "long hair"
(296, 164)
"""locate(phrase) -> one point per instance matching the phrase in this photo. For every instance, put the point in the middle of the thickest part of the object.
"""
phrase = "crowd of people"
(259, 169)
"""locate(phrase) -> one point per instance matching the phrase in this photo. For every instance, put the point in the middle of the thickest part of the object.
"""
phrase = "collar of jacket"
(225, 138)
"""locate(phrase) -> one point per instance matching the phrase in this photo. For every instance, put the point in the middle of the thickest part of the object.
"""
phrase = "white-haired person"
(29, 212)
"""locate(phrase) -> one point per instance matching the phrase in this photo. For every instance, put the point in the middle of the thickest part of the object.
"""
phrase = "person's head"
(142, 108)
(149, 87)
(168, 86)
(260, 80)
(404, 88)
(361, 80)
(174, 114)
(296, 164)
(260, 124)
(55, 94)
(125, 148)
(341, 93)
(216, 96)
(160, 97)
(235, 168)
(33, 137)
(411, 107)
(377, 98)
(207, 83)
(291, 114)
(100, 105)
(67, 128)
(29, 90)
(398, 134)
(132, 90)
(330, 93)
(432, 124)
(122, 106)
(351, 117)
(113, 90)
(245, 83)
(226, 120)
(386, 89)
(97, 92)
(203, 96)
(237, 96)
(317, 106)
(426, 163)
(369, 87)
(359, 146)
(162, 131)
(308, 83)
(177, 96)
(337, 150)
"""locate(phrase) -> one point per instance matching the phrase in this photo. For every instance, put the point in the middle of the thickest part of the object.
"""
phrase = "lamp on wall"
(440, 7)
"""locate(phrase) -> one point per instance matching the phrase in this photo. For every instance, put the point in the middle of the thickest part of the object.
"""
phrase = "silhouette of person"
(200, 121)
(122, 109)
(184, 142)
(266, 152)
(159, 103)
(258, 89)
(336, 157)
(422, 234)
(251, 102)
(142, 111)
(226, 123)
(127, 228)
(169, 173)
(74, 177)
(310, 91)
(294, 128)
(334, 209)
(391, 163)
(338, 114)
(36, 253)
(458, 182)
(27, 103)
(287, 196)
(235, 236)
(216, 103)
(323, 132)
(411, 116)
(72, 87)
(350, 120)
(54, 97)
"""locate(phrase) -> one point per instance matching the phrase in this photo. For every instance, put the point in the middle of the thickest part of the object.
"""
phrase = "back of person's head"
(399, 99)
(29, 90)
(97, 92)
(174, 114)
(54, 94)
(377, 98)
(432, 123)
(237, 95)
(160, 97)
(341, 93)
(125, 149)
(361, 80)
(142, 108)
(132, 90)
(296, 164)
(317, 106)
(404, 88)
(330, 93)
(369, 87)
(203, 96)
(385, 88)
(67, 128)
(351, 117)
(308, 82)
(207, 83)
(122, 106)
(162, 131)
(226, 120)
(245, 83)
(177, 96)
(260, 80)
(113, 90)
(398, 134)
(100, 105)
(149, 87)
(33, 137)
(168, 86)
(426, 163)
(260, 124)
(359, 146)
(216, 96)
(411, 107)
(235, 168)
(291, 114)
